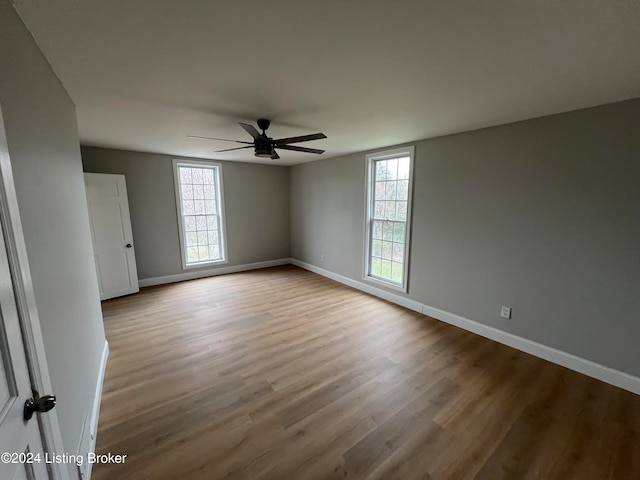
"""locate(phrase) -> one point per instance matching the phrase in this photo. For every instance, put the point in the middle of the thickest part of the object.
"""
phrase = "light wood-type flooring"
(283, 374)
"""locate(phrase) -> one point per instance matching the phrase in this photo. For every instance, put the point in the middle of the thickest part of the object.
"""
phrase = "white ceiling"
(145, 74)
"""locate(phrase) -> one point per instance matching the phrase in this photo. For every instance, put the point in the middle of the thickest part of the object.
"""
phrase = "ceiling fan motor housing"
(263, 149)
(263, 146)
(263, 124)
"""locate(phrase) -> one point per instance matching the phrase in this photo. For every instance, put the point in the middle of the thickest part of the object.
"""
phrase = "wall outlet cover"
(505, 312)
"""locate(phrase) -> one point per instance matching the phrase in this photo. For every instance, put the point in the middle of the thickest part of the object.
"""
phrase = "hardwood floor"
(282, 374)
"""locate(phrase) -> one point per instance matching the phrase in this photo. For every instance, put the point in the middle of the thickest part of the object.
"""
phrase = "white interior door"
(23, 364)
(113, 247)
(19, 439)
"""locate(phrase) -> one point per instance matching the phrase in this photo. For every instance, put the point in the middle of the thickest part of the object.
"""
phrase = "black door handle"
(128, 245)
(38, 404)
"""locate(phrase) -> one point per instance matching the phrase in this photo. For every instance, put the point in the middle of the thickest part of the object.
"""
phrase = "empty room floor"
(283, 374)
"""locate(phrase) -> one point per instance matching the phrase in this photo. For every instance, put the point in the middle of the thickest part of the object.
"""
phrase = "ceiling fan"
(265, 146)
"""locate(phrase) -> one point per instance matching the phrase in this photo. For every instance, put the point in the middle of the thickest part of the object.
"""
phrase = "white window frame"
(220, 206)
(369, 209)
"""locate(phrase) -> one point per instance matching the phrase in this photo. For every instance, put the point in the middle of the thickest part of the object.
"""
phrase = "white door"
(113, 247)
(20, 443)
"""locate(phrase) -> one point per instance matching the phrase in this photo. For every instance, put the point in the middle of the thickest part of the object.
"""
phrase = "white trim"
(378, 292)
(180, 277)
(572, 362)
(26, 304)
(371, 159)
(217, 168)
(95, 411)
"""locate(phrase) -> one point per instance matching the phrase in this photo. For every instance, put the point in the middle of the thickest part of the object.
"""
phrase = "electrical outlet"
(322, 258)
(505, 312)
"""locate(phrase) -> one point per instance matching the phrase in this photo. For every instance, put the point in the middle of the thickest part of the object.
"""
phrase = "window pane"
(209, 192)
(390, 190)
(187, 207)
(202, 238)
(192, 239)
(214, 252)
(396, 272)
(398, 232)
(376, 248)
(185, 175)
(207, 176)
(402, 211)
(380, 190)
(199, 207)
(403, 168)
(387, 232)
(403, 189)
(198, 192)
(398, 252)
(189, 223)
(187, 192)
(379, 210)
(381, 170)
(386, 250)
(376, 268)
(377, 229)
(385, 268)
(213, 237)
(212, 222)
(392, 169)
(192, 254)
(209, 206)
(197, 175)
(201, 222)
(390, 210)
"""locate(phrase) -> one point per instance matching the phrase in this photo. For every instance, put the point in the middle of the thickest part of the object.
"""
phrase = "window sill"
(203, 264)
(383, 283)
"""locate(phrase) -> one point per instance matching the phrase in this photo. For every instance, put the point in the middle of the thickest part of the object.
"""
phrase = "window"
(201, 220)
(388, 217)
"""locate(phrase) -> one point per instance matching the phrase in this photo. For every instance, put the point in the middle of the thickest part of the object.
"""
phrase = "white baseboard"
(192, 275)
(95, 411)
(376, 291)
(572, 362)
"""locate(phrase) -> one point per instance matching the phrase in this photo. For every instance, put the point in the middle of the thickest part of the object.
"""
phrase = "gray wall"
(42, 136)
(541, 215)
(256, 208)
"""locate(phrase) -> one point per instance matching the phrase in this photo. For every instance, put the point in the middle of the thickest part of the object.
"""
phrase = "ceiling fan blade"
(221, 139)
(275, 156)
(251, 130)
(299, 149)
(229, 149)
(301, 138)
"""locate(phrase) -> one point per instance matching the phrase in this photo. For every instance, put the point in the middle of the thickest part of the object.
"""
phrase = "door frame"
(26, 305)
